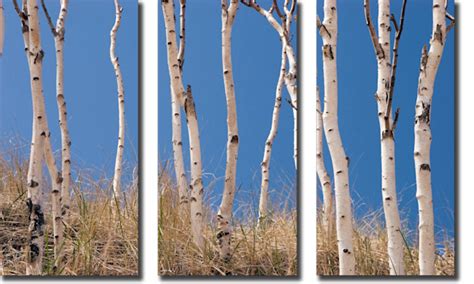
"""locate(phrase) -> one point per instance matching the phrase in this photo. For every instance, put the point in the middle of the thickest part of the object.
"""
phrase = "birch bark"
(121, 106)
(430, 61)
(385, 84)
(265, 165)
(224, 215)
(321, 171)
(336, 149)
(185, 100)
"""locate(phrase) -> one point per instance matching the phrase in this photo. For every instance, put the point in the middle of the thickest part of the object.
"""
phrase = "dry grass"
(370, 246)
(93, 245)
(269, 251)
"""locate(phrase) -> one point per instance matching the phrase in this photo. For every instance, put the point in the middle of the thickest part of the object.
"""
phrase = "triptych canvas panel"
(230, 108)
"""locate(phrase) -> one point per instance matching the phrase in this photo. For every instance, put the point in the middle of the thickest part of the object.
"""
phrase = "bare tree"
(324, 179)
(59, 32)
(225, 210)
(121, 107)
(284, 31)
(329, 32)
(186, 101)
(385, 86)
(429, 64)
(32, 39)
(265, 165)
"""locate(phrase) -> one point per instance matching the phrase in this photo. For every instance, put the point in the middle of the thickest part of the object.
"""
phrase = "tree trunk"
(428, 69)
(185, 100)
(336, 149)
(224, 215)
(121, 107)
(322, 173)
(31, 35)
(265, 165)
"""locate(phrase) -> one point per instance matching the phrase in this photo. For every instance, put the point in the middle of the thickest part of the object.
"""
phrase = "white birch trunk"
(428, 69)
(387, 143)
(224, 215)
(2, 28)
(32, 40)
(265, 165)
(321, 171)
(121, 106)
(185, 99)
(336, 149)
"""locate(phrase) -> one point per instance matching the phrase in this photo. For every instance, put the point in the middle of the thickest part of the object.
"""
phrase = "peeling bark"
(121, 107)
(265, 165)
(429, 64)
(336, 148)
(225, 210)
(321, 171)
(385, 85)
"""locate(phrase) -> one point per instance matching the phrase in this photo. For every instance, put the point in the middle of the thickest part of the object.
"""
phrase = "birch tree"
(430, 60)
(321, 171)
(32, 40)
(181, 98)
(386, 72)
(59, 32)
(284, 31)
(224, 229)
(121, 106)
(329, 32)
(265, 165)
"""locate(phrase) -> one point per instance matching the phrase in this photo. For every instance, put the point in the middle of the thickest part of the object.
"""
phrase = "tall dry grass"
(268, 251)
(370, 248)
(93, 245)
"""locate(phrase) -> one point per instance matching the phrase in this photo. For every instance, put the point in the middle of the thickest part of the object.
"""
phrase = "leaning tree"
(288, 76)
(430, 60)
(329, 32)
(386, 72)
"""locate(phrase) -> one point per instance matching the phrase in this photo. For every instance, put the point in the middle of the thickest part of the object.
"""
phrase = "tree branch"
(392, 19)
(452, 23)
(321, 26)
(373, 35)
(48, 17)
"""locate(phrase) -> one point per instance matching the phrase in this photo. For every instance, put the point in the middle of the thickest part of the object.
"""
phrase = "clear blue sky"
(256, 52)
(90, 86)
(358, 122)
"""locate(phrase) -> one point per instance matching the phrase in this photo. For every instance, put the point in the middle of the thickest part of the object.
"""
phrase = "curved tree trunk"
(225, 210)
(121, 107)
(185, 100)
(322, 173)
(430, 61)
(336, 149)
(265, 165)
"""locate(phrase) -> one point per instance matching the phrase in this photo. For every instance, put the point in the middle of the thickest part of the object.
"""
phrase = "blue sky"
(90, 86)
(358, 122)
(256, 52)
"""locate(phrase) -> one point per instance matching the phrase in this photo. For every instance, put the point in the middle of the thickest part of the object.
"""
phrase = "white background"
(307, 206)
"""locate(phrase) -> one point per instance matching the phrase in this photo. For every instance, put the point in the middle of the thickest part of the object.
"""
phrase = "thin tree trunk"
(322, 173)
(265, 165)
(185, 100)
(430, 61)
(385, 83)
(2, 28)
(121, 107)
(31, 36)
(336, 148)
(224, 215)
